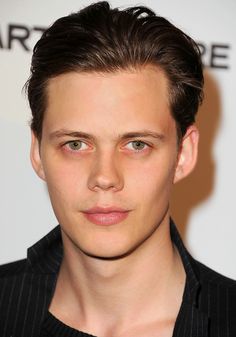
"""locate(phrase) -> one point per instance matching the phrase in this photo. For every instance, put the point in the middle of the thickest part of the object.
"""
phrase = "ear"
(187, 156)
(35, 156)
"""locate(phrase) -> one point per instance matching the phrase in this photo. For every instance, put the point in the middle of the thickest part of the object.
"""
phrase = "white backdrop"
(203, 205)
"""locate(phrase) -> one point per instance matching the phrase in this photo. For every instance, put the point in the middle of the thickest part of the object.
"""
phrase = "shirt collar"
(45, 256)
(192, 285)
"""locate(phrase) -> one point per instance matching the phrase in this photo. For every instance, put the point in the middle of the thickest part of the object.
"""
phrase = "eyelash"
(68, 148)
(67, 145)
(140, 142)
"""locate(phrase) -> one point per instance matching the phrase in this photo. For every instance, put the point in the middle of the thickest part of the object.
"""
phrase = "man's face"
(108, 155)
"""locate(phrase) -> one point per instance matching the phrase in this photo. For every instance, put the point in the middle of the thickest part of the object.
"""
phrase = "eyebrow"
(143, 134)
(80, 134)
(70, 133)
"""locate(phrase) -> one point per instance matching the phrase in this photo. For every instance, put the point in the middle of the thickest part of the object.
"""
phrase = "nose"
(105, 173)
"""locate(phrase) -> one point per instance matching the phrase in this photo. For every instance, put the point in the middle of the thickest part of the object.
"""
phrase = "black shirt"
(52, 327)
(26, 289)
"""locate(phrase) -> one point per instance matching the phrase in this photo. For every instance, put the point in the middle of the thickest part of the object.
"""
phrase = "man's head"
(113, 96)
(101, 39)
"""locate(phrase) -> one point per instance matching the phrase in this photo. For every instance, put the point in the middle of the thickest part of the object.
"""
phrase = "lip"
(106, 216)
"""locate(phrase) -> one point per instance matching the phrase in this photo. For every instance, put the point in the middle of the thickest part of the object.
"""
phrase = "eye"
(76, 145)
(137, 145)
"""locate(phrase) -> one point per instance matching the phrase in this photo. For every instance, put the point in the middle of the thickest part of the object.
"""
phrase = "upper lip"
(105, 210)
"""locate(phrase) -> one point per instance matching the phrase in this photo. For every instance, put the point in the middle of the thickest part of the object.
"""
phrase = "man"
(114, 94)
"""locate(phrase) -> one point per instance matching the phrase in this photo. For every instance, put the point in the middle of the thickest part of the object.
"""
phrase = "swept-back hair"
(101, 39)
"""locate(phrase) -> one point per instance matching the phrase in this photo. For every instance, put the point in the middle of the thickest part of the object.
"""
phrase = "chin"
(110, 251)
(104, 245)
(107, 255)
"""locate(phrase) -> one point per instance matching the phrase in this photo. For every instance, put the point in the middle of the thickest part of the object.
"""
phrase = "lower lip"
(106, 219)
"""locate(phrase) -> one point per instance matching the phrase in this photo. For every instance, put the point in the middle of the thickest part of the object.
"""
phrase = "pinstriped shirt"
(208, 307)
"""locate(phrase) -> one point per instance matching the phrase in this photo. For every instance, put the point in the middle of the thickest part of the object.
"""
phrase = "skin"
(110, 140)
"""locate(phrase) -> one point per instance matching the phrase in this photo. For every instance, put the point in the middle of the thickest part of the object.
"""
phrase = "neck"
(149, 280)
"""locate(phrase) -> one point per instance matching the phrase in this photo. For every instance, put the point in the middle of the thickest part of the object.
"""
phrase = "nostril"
(105, 180)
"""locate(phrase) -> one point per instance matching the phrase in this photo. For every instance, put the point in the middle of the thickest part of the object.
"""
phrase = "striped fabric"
(52, 327)
(26, 287)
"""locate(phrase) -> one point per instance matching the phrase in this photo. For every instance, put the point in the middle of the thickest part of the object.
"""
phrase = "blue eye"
(76, 145)
(137, 145)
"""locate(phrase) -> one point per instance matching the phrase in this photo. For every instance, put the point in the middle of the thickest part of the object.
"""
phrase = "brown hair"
(99, 38)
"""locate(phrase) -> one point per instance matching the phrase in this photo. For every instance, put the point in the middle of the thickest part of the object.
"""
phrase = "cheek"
(156, 191)
(152, 188)
(64, 180)
(154, 177)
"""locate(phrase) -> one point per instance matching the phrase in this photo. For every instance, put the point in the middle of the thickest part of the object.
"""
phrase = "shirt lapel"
(191, 321)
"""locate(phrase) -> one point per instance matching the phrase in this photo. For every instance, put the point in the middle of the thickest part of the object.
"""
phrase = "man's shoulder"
(197, 272)
(43, 257)
(213, 281)
(12, 269)
(209, 276)
(25, 292)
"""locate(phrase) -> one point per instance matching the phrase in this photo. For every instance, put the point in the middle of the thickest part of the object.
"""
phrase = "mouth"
(106, 216)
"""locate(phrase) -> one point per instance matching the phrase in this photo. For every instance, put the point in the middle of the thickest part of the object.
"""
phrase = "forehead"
(125, 99)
